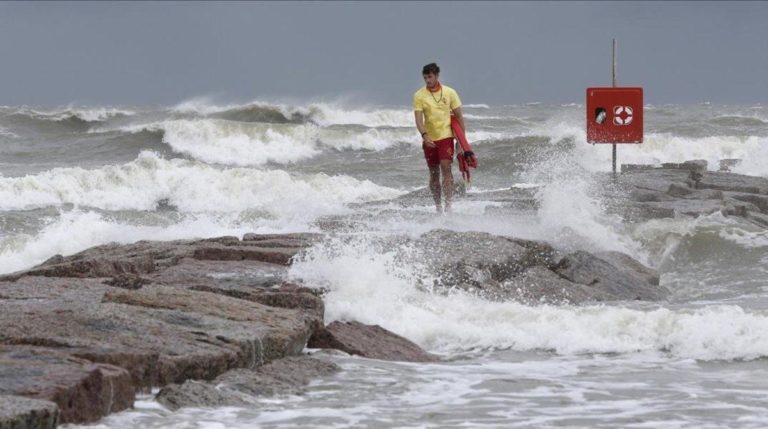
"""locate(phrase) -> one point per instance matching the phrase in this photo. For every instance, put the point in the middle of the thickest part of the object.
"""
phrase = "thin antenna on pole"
(613, 73)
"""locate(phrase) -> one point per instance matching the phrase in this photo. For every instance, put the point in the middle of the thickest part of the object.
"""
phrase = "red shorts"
(444, 150)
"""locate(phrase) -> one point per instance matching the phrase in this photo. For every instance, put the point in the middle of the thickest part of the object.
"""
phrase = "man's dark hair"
(430, 68)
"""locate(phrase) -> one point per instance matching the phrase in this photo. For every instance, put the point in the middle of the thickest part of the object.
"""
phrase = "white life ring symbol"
(618, 118)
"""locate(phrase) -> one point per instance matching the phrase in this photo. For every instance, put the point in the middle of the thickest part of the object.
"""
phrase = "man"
(433, 106)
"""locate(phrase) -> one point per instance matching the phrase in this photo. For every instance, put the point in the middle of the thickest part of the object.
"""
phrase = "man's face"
(430, 79)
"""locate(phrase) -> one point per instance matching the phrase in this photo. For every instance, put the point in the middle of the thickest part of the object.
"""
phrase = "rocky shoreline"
(689, 189)
(214, 321)
(81, 335)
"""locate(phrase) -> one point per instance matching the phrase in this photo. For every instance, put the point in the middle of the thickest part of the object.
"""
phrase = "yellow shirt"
(437, 108)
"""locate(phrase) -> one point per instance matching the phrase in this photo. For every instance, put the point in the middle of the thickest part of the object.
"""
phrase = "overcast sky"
(372, 53)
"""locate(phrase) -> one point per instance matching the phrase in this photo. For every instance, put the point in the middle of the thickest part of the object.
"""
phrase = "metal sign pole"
(614, 85)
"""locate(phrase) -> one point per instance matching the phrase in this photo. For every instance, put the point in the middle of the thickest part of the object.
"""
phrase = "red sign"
(615, 115)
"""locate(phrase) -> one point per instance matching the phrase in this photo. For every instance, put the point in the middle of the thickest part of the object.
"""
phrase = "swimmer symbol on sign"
(622, 115)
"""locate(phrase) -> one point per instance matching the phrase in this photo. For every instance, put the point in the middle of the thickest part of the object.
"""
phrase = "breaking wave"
(251, 112)
(190, 186)
(323, 114)
(74, 114)
(6, 133)
(658, 148)
(739, 121)
(373, 286)
(242, 144)
(227, 142)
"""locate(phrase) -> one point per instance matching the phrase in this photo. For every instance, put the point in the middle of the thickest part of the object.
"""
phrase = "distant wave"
(251, 112)
(323, 114)
(328, 114)
(236, 143)
(73, 119)
(477, 106)
(511, 120)
(659, 148)
(81, 114)
(190, 186)
(6, 133)
(256, 144)
(737, 121)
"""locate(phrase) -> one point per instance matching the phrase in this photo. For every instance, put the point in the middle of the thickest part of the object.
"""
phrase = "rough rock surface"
(145, 257)
(644, 192)
(612, 273)
(84, 391)
(283, 376)
(18, 412)
(505, 268)
(368, 341)
(89, 330)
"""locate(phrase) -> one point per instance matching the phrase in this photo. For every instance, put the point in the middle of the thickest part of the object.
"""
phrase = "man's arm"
(460, 117)
(426, 141)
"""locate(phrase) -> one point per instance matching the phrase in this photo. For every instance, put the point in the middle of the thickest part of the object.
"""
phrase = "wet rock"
(681, 207)
(685, 189)
(733, 182)
(612, 274)
(539, 285)
(83, 391)
(273, 255)
(176, 334)
(87, 331)
(333, 223)
(305, 239)
(127, 281)
(238, 387)
(147, 257)
(282, 297)
(728, 164)
(472, 258)
(504, 268)
(643, 196)
(17, 412)
(281, 376)
(635, 167)
(110, 260)
(758, 200)
(242, 275)
(370, 341)
(53, 260)
(693, 165)
(679, 190)
(758, 218)
(194, 393)
(704, 194)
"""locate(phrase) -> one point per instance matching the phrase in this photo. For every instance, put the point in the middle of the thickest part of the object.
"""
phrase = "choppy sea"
(73, 177)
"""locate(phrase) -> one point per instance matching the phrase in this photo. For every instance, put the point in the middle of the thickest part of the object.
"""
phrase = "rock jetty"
(214, 321)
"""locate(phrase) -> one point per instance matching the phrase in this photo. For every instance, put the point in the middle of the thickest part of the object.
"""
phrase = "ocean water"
(74, 177)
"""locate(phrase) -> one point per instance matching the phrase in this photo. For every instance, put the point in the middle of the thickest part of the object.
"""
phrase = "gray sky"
(372, 53)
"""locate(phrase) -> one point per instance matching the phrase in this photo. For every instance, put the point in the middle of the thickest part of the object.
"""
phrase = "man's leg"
(434, 186)
(445, 170)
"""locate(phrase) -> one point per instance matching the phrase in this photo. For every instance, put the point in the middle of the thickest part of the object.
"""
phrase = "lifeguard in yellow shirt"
(433, 106)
